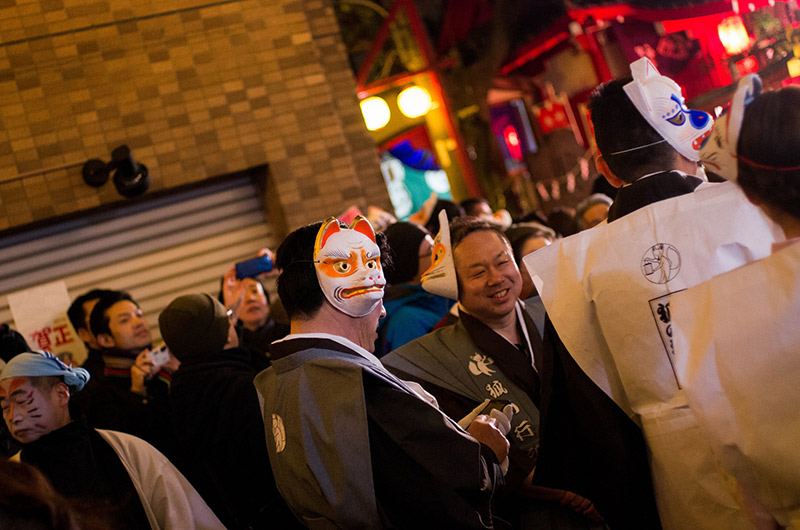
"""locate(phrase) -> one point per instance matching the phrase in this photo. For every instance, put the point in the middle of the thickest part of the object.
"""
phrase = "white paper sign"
(737, 341)
(40, 316)
(607, 292)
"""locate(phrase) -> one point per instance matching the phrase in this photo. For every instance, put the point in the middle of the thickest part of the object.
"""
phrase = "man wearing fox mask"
(351, 445)
(608, 291)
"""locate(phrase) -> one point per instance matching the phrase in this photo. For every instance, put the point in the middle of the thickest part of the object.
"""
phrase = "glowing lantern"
(793, 65)
(414, 101)
(376, 113)
(733, 35)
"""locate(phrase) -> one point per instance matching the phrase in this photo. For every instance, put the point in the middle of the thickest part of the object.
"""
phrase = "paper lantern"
(733, 35)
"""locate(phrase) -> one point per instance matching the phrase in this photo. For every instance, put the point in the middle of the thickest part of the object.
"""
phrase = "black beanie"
(404, 240)
(194, 326)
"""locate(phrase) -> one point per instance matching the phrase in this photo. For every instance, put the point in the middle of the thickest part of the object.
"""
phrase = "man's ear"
(85, 335)
(106, 341)
(60, 394)
(602, 167)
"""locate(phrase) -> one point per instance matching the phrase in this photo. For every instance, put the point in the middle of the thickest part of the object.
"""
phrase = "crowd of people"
(458, 370)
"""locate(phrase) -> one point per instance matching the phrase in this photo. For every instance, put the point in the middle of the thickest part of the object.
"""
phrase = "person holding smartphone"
(133, 394)
(244, 295)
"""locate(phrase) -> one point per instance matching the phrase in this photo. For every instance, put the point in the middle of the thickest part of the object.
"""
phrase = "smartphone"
(159, 356)
(253, 267)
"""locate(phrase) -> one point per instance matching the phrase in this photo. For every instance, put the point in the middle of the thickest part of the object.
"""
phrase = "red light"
(512, 138)
(733, 35)
(512, 142)
(748, 65)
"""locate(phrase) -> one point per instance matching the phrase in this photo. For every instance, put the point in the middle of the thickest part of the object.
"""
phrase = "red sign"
(748, 65)
(552, 117)
(48, 337)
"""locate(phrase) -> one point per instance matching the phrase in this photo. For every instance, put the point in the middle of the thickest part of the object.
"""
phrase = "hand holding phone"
(253, 267)
(159, 357)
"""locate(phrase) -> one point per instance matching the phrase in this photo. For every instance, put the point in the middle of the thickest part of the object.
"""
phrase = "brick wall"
(196, 89)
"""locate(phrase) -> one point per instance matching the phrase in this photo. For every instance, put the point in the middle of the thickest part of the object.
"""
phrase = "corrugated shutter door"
(156, 250)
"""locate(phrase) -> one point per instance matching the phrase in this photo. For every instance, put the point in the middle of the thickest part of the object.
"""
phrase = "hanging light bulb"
(414, 101)
(376, 113)
(733, 35)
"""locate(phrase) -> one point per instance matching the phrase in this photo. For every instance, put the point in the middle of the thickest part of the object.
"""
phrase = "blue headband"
(44, 364)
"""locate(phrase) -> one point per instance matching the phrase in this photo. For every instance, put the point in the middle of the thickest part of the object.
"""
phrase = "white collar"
(520, 307)
(415, 388)
(336, 338)
(684, 175)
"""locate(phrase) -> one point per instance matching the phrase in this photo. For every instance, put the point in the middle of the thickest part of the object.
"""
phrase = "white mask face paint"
(348, 266)
(719, 152)
(440, 278)
(659, 100)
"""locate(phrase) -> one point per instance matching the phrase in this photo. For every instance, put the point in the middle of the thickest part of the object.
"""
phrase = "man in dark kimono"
(351, 445)
(495, 351)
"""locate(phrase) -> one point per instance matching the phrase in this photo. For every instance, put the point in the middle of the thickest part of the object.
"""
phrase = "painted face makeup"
(348, 266)
(659, 100)
(27, 409)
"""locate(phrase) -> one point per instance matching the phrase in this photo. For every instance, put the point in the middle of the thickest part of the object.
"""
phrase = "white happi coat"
(738, 340)
(607, 293)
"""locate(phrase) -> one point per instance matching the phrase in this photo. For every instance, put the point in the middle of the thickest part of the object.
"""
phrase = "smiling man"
(493, 351)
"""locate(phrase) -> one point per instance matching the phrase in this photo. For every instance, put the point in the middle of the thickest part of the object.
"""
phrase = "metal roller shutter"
(156, 250)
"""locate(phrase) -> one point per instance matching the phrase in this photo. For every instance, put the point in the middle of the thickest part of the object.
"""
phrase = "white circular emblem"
(661, 263)
(279, 432)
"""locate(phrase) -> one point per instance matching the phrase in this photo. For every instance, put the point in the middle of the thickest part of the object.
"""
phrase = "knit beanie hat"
(404, 240)
(194, 326)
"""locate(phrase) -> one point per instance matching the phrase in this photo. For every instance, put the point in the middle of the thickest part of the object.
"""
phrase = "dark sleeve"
(457, 406)
(424, 468)
(113, 406)
(589, 445)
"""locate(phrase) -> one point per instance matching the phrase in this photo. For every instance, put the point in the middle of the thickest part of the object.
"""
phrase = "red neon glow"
(512, 142)
(512, 139)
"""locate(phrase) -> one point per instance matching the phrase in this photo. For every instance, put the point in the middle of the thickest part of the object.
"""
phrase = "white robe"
(607, 290)
(739, 339)
(169, 501)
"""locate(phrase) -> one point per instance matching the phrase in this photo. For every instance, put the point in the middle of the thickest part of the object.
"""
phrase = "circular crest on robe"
(661, 263)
